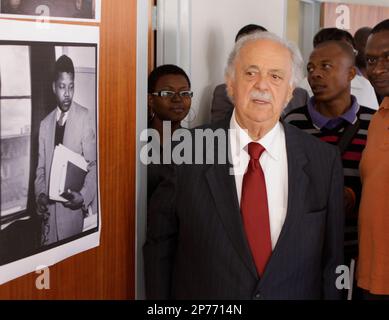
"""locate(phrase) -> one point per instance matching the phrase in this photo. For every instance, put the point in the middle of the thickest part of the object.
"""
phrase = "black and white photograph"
(68, 9)
(49, 159)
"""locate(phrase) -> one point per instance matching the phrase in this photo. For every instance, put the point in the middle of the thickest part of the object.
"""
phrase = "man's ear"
(53, 86)
(352, 72)
(290, 94)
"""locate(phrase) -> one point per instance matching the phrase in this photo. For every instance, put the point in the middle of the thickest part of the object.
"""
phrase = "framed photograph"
(73, 10)
(49, 145)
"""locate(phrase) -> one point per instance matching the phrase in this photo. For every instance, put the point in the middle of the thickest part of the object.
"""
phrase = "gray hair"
(297, 60)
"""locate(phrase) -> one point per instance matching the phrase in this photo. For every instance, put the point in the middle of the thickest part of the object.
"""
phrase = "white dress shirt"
(274, 165)
(361, 88)
(65, 117)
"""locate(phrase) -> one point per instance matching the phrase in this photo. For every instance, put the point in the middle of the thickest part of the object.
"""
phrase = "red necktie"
(255, 211)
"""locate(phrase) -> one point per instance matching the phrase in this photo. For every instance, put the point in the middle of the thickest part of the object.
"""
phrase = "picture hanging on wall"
(49, 145)
(78, 10)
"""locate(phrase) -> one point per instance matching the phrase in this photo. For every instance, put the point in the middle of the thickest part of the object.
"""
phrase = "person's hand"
(75, 198)
(42, 202)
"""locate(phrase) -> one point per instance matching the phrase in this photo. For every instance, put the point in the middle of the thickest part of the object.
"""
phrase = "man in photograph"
(11, 6)
(268, 224)
(68, 124)
(81, 9)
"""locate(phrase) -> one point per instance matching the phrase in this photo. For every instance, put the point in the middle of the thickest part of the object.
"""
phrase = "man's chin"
(262, 119)
(65, 107)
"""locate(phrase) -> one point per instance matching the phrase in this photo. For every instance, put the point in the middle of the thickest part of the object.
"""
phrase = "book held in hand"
(68, 171)
(73, 179)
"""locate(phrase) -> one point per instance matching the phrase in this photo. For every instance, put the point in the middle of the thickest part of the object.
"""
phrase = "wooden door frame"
(144, 62)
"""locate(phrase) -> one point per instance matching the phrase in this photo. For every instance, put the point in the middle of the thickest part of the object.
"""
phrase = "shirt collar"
(269, 141)
(59, 111)
(320, 121)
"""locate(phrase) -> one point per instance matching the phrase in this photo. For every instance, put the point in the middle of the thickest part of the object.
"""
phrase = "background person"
(360, 87)
(335, 116)
(169, 101)
(373, 262)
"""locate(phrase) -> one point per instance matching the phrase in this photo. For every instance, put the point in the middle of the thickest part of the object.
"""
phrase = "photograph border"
(41, 19)
(27, 33)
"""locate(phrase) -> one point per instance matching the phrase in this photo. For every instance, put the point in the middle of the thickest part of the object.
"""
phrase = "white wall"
(211, 27)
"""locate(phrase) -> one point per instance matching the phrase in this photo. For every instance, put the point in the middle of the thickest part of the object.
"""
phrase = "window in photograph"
(15, 130)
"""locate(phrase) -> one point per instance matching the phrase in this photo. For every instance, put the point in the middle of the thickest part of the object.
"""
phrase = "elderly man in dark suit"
(267, 223)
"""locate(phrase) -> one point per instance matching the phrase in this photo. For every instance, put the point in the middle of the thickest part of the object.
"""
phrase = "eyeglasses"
(171, 94)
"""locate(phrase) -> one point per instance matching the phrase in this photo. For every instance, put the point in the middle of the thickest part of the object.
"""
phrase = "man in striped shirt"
(333, 114)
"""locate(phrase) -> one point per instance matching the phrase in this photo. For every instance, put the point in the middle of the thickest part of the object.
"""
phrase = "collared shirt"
(274, 165)
(59, 111)
(373, 261)
(320, 121)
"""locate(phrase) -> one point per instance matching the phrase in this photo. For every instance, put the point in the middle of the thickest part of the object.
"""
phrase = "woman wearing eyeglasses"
(169, 97)
(169, 101)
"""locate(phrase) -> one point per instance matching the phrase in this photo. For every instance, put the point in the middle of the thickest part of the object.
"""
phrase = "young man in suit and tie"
(268, 224)
(68, 124)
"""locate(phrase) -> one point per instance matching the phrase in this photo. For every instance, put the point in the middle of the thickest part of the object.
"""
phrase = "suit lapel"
(297, 189)
(297, 179)
(223, 189)
(52, 122)
(69, 128)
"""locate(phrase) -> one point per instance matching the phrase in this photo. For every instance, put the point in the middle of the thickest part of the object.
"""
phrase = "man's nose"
(176, 96)
(316, 73)
(262, 83)
(66, 92)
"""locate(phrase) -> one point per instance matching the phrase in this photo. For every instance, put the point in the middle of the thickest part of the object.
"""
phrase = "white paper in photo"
(31, 31)
(43, 14)
(61, 157)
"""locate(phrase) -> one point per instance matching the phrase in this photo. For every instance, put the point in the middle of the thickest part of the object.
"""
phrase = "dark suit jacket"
(196, 246)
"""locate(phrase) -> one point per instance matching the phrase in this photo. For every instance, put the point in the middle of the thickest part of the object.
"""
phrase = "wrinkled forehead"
(265, 53)
(378, 43)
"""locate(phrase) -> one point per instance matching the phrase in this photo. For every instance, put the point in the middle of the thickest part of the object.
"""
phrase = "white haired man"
(268, 224)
